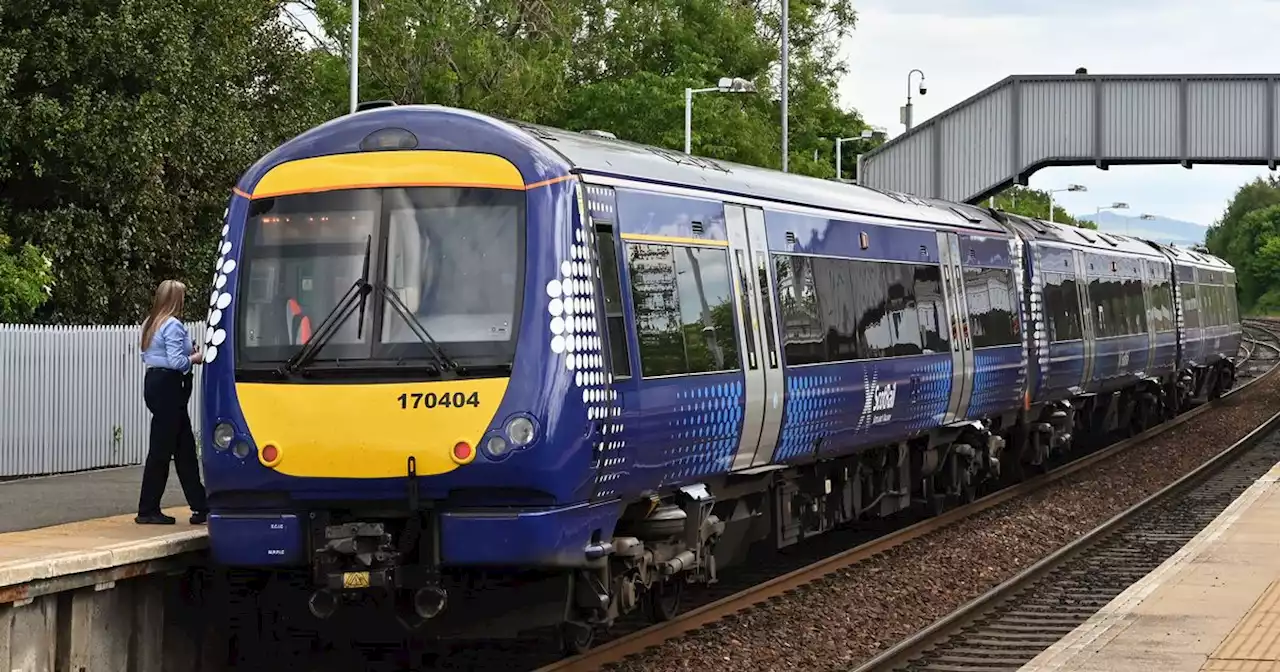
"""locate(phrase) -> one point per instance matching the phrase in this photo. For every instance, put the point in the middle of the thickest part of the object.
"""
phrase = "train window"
(683, 305)
(745, 293)
(802, 333)
(839, 309)
(611, 285)
(884, 305)
(766, 303)
(1135, 306)
(1162, 307)
(990, 292)
(1190, 306)
(1062, 307)
(930, 306)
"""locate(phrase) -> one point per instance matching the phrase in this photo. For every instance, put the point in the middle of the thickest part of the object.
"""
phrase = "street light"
(865, 135)
(906, 110)
(355, 52)
(726, 85)
(1118, 205)
(1070, 187)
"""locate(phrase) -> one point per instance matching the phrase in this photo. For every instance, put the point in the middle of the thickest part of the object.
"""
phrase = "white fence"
(71, 398)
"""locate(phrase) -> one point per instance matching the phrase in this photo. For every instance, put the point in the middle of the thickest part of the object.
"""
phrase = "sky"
(964, 46)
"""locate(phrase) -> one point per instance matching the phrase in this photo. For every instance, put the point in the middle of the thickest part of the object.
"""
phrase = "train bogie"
(569, 375)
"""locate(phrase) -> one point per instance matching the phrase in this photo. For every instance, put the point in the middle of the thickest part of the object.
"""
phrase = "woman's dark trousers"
(167, 392)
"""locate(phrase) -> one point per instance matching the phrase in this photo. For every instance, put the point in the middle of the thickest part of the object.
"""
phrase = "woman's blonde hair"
(167, 303)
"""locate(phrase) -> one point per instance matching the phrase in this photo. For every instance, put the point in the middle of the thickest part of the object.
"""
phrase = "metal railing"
(71, 398)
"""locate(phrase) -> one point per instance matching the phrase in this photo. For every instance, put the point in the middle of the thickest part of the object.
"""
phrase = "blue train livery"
(502, 376)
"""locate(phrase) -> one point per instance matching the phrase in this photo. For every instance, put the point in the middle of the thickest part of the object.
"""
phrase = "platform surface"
(89, 545)
(28, 504)
(1214, 606)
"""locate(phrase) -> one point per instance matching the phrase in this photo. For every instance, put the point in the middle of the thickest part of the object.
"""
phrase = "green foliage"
(1035, 203)
(25, 279)
(1248, 237)
(615, 65)
(124, 125)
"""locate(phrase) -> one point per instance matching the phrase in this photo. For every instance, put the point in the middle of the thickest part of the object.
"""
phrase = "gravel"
(850, 616)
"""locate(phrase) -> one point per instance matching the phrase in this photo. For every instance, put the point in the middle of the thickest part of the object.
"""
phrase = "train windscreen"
(443, 264)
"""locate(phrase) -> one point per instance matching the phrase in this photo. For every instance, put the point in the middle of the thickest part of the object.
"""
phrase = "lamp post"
(1070, 187)
(355, 54)
(786, 81)
(1118, 205)
(1142, 216)
(907, 109)
(865, 135)
(726, 85)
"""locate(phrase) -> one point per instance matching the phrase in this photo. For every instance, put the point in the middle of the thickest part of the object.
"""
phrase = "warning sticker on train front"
(355, 579)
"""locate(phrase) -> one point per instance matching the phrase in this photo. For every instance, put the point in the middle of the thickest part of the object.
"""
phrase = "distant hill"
(1160, 229)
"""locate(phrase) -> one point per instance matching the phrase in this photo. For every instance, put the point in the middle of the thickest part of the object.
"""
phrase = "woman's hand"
(197, 357)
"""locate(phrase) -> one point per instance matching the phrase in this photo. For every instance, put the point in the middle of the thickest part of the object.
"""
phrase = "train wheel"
(663, 599)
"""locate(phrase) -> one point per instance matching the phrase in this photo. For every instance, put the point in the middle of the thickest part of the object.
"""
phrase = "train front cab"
(432, 437)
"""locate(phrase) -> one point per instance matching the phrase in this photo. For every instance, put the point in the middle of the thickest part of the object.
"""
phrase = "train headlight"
(241, 450)
(520, 430)
(496, 446)
(222, 436)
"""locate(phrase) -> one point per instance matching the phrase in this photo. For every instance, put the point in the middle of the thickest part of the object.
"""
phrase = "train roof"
(1187, 257)
(594, 154)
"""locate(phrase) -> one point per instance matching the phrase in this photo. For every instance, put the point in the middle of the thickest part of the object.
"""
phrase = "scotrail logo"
(883, 397)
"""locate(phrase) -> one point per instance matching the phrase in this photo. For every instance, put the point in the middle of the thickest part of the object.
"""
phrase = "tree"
(1248, 237)
(124, 125)
(25, 279)
(1035, 203)
(614, 65)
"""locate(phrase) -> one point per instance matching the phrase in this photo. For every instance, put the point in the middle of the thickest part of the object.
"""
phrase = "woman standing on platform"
(169, 353)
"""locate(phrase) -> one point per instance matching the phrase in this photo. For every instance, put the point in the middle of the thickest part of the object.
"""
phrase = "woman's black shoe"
(199, 518)
(155, 519)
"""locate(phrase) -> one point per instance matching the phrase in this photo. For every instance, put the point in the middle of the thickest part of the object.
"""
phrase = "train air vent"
(924, 252)
(791, 238)
(600, 134)
(698, 229)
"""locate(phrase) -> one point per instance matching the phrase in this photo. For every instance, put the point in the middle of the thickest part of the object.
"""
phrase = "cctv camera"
(923, 90)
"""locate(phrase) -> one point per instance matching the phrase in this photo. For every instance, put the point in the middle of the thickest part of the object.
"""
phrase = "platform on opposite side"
(1213, 606)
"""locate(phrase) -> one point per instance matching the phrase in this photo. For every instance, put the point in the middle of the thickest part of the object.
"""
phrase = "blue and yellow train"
(515, 376)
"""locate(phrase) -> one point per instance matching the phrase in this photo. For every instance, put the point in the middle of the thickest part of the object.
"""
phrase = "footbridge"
(1023, 123)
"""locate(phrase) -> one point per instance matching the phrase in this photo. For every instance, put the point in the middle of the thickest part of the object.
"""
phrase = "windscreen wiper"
(329, 325)
(437, 353)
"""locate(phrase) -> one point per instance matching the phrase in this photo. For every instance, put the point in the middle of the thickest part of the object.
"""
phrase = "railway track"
(748, 589)
(1013, 623)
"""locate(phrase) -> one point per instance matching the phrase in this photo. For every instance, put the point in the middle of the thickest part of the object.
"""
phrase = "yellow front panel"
(369, 431)
(410, 168)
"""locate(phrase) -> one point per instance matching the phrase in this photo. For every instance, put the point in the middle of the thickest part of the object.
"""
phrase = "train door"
(1088, 331)
(757, 335)
(953, 289)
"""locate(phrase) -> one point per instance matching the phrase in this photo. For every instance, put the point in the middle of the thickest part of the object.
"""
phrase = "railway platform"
(1214, 606)
(32, 503)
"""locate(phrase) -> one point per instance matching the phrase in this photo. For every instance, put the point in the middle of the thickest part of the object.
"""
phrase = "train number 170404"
(442, 400)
